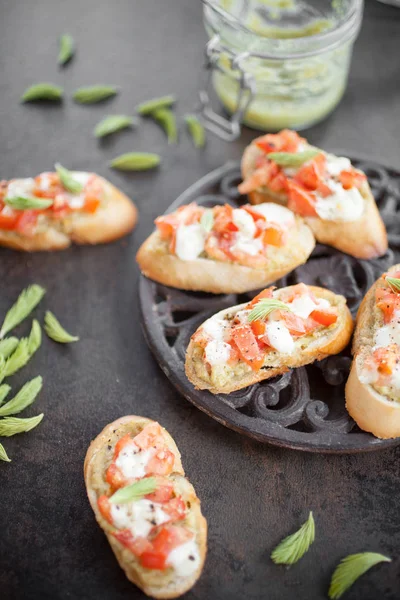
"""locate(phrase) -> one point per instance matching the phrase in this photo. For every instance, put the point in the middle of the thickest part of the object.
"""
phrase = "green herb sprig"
(25, 397)
(112, 124)
(3, 454)
(166, 119)
(26, 302)
(350, 569)
(136, 161)
(56, 331)
(42, 91)
(23, 203)
(292, 159)
(135, 491)
(196, 130)
(94, 93)
(265, 307)
(394, 284)
(207, 219)
(292, 548)
(13, 425)
(8, 345)
(35, 337)
(4, 391)
(67, 179)
(148, 107)
(67, 49)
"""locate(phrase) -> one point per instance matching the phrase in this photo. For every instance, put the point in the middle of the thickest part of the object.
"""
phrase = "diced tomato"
(166, 540)
(294, 291)
(387, 358)
(233, 356)
(247, 345)
(53, 186)
(278, 183)
(273, 236)
(27, 221)
(175, 508)
(162, 463)
(325, 316)
(388, 302)
(351, 178)
(223, 219)
(284, 141)
(301, 201)
(259, 178)
(264, 294)
(105, 508)
(122, 442)
(258, 328)
(91, 204)
(164, 491)
(114, 477)
(137, 545)
(166, 225)
(150, 437)
(311, 174)
(8, 220)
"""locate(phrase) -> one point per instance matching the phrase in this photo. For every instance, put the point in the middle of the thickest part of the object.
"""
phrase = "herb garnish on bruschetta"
(333, 196)
(277, 330)
(225, 249)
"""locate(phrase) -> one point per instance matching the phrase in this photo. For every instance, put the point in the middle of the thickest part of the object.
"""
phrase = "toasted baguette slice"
(371, 410)
(315, 346)
(115, 217)
(364, 238)
(154, 583)
(207, 274)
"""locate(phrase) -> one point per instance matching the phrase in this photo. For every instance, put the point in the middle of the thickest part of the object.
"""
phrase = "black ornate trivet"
(304, 408)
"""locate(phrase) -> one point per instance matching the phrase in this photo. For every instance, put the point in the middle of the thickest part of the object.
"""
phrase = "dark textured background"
(252, 495)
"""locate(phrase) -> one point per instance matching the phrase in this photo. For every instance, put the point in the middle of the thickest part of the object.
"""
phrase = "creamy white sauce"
(217, 352)
(132, 461)
(336, 164)
(388, 334)
(20, 188)
(185, 559)
(341, 205)
(274, 213)
(190, 241)
(247, 245)
(81, 177)
(279, 337)
(139, 517)
(303, 306)
(215, 328)
(244, 222)
(242, 315)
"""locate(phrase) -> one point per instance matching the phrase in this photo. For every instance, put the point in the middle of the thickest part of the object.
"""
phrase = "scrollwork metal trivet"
(304, 408)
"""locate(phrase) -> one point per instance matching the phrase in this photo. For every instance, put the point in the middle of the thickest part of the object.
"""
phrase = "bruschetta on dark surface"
(223, 249)
(160, 537)
(328, 191)
(276, 331)
(45, 213)
(373, 387)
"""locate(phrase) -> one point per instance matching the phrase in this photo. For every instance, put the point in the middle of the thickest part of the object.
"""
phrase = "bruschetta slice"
(276, 331)
(373, 387)
(146, 507)
(333, 197)
(225, 250)
(50, 212)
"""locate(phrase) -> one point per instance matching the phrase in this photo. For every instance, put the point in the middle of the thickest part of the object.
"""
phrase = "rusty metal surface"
(304, 408)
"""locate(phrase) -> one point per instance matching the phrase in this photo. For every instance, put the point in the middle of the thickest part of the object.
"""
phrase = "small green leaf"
(292, 548)
(21, 203)
(25, 397)
(394, 283)
(16, 361)
(55, 331)
(42, 91)
(146, 108)
(67, 48)
(135, 491)
(67, 179)
(26, 302)
(207, 219)
(350, 569)
(136, 161)
(94, 93)
(292, 159)
(196, 130)
(264, 307)
(13, 425)
(8, 346)
(3, 454)
(35, 337)
(4, 391)
(112, 124)
(166, 119)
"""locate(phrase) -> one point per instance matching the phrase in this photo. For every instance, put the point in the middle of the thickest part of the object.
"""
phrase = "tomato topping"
(166, 225)
(136, 545)
(114, 477)
(105, 508)
(223, 219)
(122, 442)
(268, 293)
(278, 183)
(164, 491)
(273, 236)
(294, 291)
(27, 221)
(301, 201)
(258, 328)
(284, 141)
(351, 178)
(165, 541)
(91, 204)
(325, 316)
(162, 463)
(311, 174)
(150, 437)
(8, 221)
(246, 343)
(388, 302)
(259, 178)
(387, 358)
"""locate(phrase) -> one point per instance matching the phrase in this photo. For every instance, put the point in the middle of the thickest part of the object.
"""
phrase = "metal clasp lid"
(226, 129)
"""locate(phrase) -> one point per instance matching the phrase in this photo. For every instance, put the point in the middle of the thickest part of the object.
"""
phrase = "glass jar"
(277, 63)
